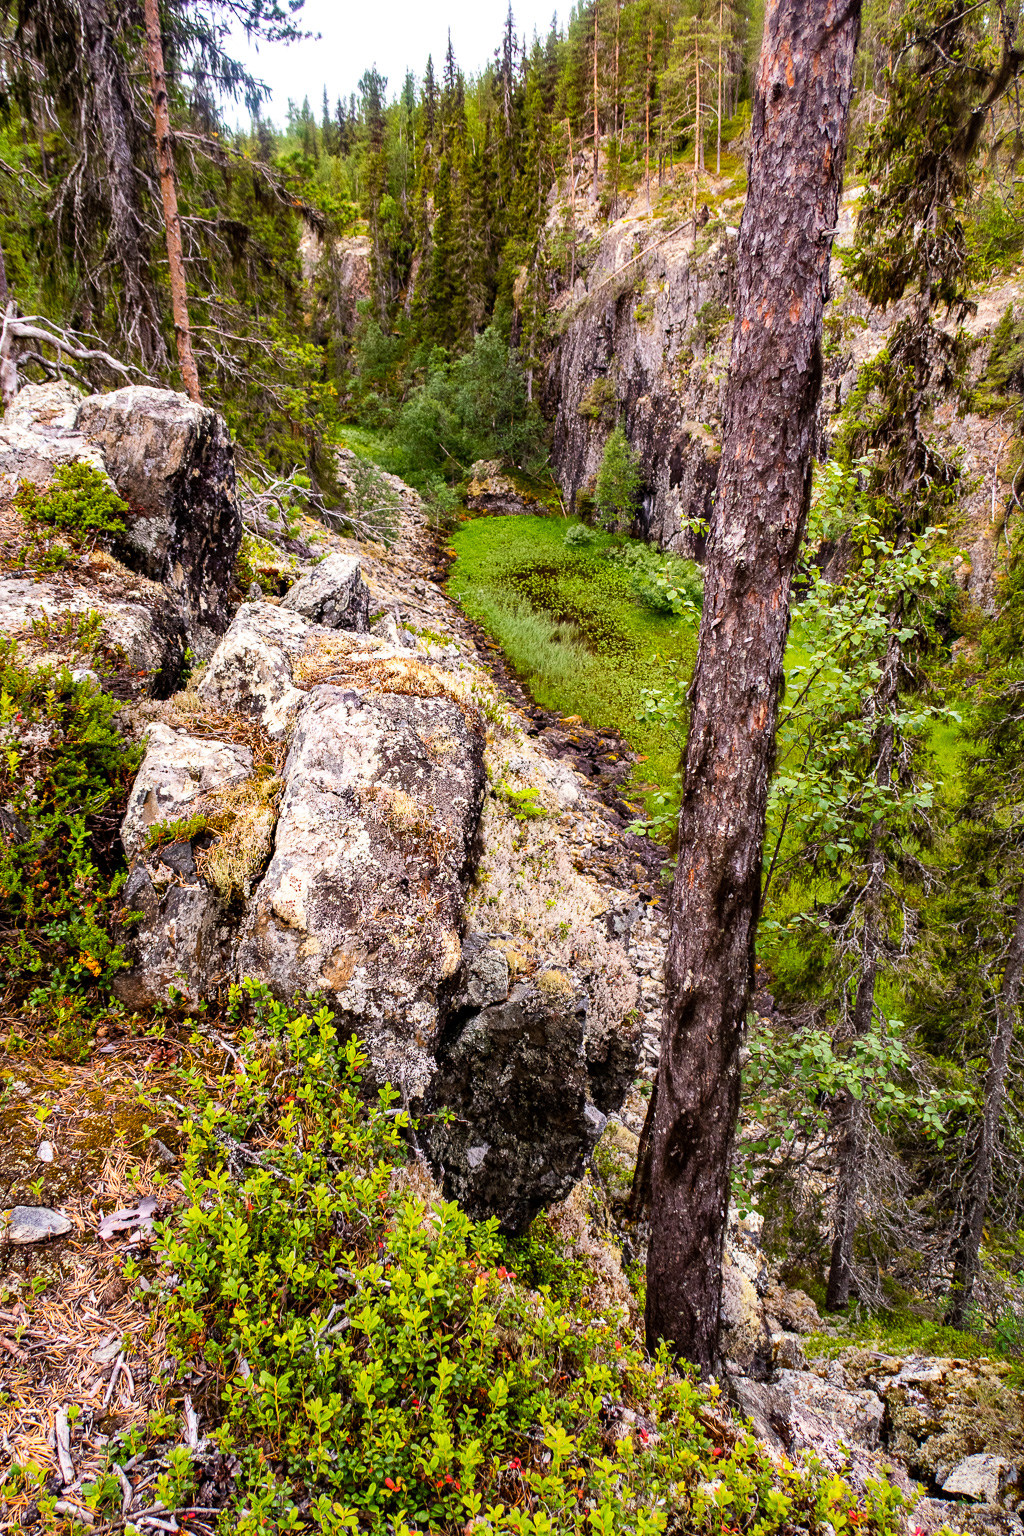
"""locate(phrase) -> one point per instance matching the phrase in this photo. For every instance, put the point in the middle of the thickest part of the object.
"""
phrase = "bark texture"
(965, 1255)
(799, 129)
(169, 195)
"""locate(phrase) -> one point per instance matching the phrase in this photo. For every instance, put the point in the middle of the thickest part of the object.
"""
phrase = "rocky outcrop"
(523, 1086)
(362, 900)
(646, 341)
(493, 494)
(171, 460)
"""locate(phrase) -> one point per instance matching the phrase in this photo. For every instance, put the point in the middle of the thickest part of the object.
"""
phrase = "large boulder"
(250, 672)
(177, 773)
(173, 462)
(363, 896)
(333, 594)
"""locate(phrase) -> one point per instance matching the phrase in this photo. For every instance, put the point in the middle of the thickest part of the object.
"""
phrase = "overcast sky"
(396, 35)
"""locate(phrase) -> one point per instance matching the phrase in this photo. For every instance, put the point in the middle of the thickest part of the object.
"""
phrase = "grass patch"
(573, 625)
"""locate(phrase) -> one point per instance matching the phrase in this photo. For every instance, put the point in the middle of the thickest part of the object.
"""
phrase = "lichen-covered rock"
(525, 1120)
(362, 899)
(173, 462)
(791, 1310)
(185, 936)
(32, 1224)
(985, 1478)
(744, 1337)
(176, 772)
(250, 671)
(144, 639)
(856, 1416)
(38, 433)
(940, 1412)
(332, 594)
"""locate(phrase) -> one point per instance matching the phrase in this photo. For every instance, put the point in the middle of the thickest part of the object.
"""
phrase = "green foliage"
(523, 803)
(666, 583)
(382, 1356)
(65, 772)
(77, 508)
(182, 829)
(579, 536)
(599, 401)
(1001, 385)
(473, 408)
(619, 481)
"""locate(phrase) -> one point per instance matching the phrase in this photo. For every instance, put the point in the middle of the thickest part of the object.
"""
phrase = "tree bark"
(968, 1246)
(169, 194)
(799, 129)
(597, 131)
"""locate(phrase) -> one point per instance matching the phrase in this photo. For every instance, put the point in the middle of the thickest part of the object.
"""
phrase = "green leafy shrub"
(619, 481)
(666, 583)
(522, 803)
(79, 503)
(65, 773)
(380, 1367)
(579, 536)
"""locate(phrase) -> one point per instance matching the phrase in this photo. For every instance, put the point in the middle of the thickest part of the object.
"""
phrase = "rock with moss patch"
(333, 594)
(140, 640)
(32, 1224)
(495, 494)
(177, 771)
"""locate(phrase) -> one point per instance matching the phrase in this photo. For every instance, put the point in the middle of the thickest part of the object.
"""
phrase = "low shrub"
(79, 507)
(65, 773)
(376, 1365)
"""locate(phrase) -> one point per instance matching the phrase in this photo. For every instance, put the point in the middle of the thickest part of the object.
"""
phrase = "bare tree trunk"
(647, 121)
(696, 129)
(169, 193)
(975, 1206)
(850, 1112)
(718, 142)
(798, 135)
(597, 131)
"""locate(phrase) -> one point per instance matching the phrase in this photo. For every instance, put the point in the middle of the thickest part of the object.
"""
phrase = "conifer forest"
(512, 774)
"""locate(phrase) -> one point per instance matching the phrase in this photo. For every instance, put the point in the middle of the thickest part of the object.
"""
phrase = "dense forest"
(808, 670)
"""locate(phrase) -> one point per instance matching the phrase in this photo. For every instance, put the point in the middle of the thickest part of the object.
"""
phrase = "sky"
(396, 35)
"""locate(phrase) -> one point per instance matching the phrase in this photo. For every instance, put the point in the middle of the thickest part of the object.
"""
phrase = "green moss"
(180, 830)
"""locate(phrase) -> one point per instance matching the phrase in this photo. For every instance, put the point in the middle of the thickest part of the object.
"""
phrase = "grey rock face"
(526, 1100)
(150, 634)
(660, 367)
(175, 772)
(185, 938)
(363, 896)
(173, 462)
(333, 594)
(982, 1477)
(32, 1224)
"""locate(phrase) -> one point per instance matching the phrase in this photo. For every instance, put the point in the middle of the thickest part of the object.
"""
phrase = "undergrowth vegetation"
(65, 773)
(75, 510)
(377, 1362)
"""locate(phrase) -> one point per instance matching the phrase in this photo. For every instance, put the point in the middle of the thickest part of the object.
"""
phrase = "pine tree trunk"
(850, 1112)
(169, 194)
(597, 131)
(799, 128)
(127, 241)
(968, 1246)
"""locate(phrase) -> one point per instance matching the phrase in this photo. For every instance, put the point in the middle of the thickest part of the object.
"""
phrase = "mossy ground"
(572, 626)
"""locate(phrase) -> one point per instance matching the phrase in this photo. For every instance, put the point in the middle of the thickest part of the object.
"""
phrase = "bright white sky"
(396, 35)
